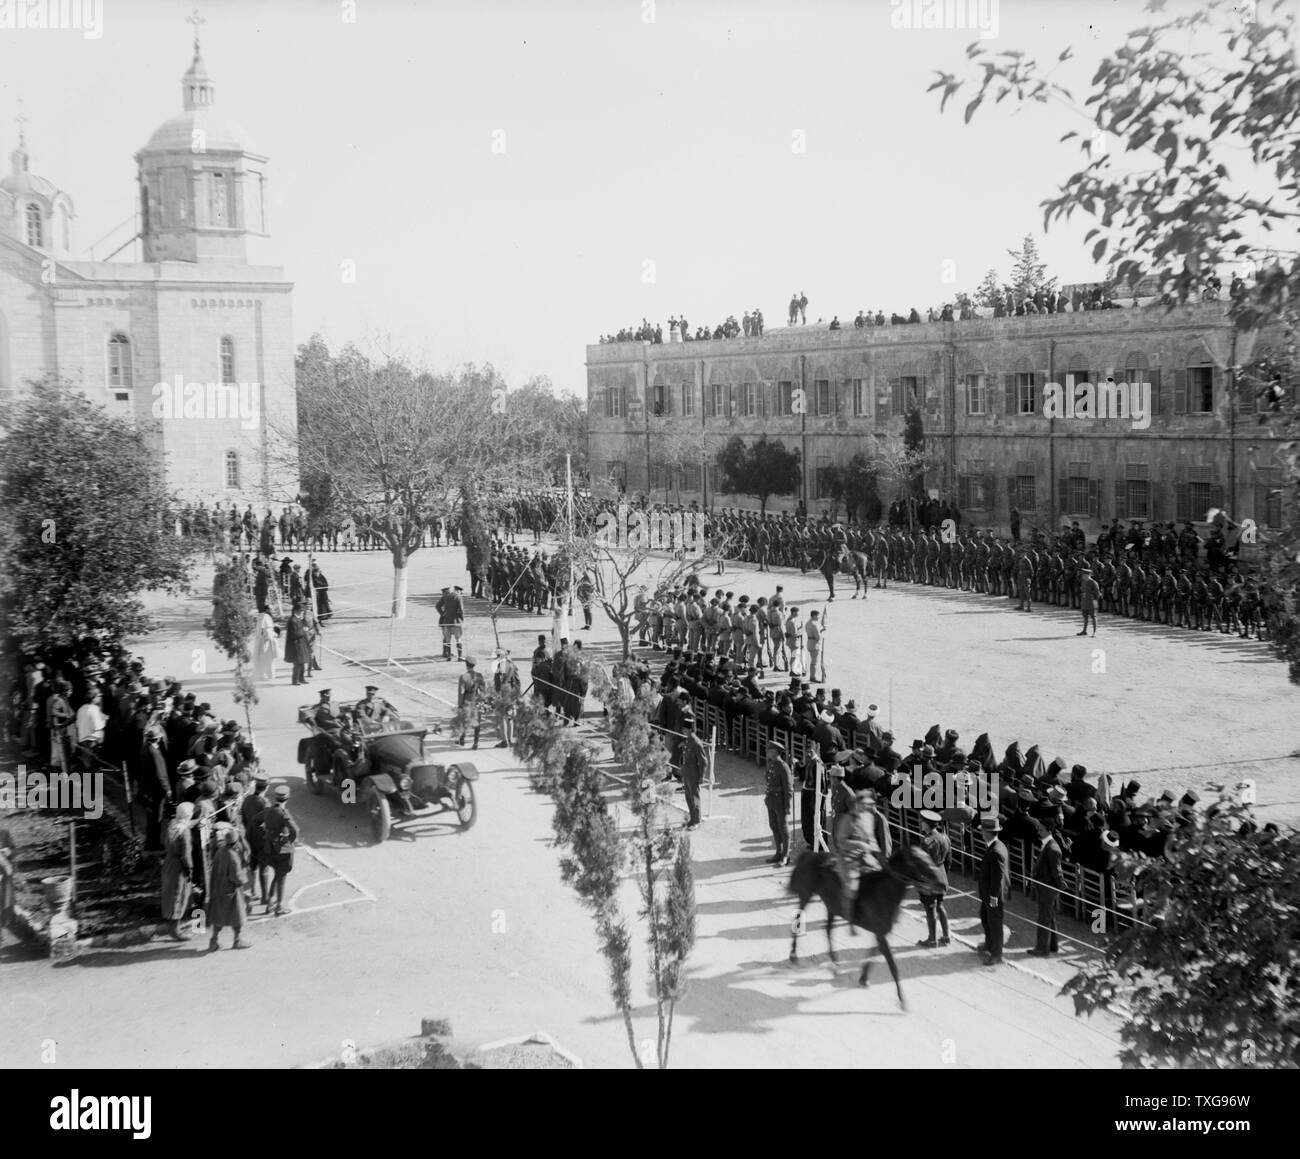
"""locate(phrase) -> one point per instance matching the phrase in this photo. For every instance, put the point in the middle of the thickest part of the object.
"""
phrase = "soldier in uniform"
(469, 700)
(794, 641)
(1025, 580)
(695, 766)
(779, 799)
(1089, 594)
(375, 708)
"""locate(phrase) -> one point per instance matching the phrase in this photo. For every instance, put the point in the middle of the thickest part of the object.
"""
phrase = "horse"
(858, 565)
(877, 903)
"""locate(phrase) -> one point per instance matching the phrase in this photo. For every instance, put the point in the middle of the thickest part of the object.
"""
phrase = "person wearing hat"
(469, 700)
(282, 835)
(846, 719)
(1089, 595)
(374, 708)
(506, 685)
(451, 617)
(178, 870)
(994, 888)
(252, 816)
(794, 637)
(870, 728)
(841, 792)
(828, 738)
(695, 766)
(297, 643)
(936, 844)
(229, 879)
(815, 633)
(1049, 881)
(862, 844)
(779, 799)
(154, 788)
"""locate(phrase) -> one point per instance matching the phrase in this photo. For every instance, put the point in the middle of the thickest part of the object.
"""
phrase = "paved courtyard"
(475, 926)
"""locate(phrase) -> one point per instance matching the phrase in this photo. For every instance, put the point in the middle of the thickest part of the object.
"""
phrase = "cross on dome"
(198, 21)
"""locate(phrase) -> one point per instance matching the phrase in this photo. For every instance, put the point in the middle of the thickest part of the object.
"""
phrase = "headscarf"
(181, 822)
(1034, 764)
(983, 752)
(1103, 791)
(1012, 761)
(934, 737)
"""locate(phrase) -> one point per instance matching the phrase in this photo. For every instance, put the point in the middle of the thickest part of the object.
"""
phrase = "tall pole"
(560, 621)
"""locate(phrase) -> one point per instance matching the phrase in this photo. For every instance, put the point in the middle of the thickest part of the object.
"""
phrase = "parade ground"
(476, 926)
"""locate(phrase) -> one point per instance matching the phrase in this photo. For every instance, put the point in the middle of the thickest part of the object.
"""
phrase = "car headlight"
(404, 784)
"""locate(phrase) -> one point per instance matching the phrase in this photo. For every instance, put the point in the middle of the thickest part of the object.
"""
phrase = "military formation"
(1155, 573)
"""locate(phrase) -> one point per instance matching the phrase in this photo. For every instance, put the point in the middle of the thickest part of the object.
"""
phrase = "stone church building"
(192, 342)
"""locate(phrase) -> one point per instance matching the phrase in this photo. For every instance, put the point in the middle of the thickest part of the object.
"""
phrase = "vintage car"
(396, 773)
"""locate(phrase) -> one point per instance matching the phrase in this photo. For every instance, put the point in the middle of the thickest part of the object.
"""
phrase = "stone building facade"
(193, 342)
(657, 414)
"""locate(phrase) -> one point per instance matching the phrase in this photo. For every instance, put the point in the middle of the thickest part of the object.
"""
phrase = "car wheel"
(465, 802)
(313, 776)
(380, 814)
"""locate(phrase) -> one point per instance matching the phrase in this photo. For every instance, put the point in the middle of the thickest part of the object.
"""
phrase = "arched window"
(35, 232)
(119, 363)
(232, 469)
(227, 360)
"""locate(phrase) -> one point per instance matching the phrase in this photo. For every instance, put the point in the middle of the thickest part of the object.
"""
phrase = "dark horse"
(876, 906)
(853, 563)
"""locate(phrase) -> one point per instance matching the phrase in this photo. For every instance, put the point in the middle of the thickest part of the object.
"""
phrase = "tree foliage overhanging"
(87, 523)
(1203, 105)
(1212, 974)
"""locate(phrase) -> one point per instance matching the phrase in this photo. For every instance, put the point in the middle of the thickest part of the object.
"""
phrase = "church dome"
(199, 123)
(28, 184)
(180, 132)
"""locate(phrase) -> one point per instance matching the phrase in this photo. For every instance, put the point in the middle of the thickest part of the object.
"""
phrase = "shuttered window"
(861, 398)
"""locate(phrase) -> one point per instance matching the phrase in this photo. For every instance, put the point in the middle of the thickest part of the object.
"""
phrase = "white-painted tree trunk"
(399, 592)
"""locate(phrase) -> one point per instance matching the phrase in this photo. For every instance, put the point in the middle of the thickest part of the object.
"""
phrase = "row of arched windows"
(121, 376)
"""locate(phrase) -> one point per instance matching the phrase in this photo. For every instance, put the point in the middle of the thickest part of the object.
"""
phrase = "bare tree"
(624, 552)
(398, 443)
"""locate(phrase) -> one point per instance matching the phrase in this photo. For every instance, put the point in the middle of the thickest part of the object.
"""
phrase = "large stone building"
(658, 413)
(192, 341)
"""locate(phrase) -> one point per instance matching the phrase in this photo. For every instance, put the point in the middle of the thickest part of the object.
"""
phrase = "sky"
(511, 180)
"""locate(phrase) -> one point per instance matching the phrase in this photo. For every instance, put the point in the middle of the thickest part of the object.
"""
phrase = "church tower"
(33, 210)
(202, 189)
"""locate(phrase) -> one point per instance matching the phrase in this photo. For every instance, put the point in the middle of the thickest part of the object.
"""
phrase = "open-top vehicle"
(393, 771)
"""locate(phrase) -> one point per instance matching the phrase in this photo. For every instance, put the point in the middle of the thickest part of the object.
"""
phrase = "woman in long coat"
(178, 869)
(226, 903)
(264, 648)
(320, 587)
(297, 645)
